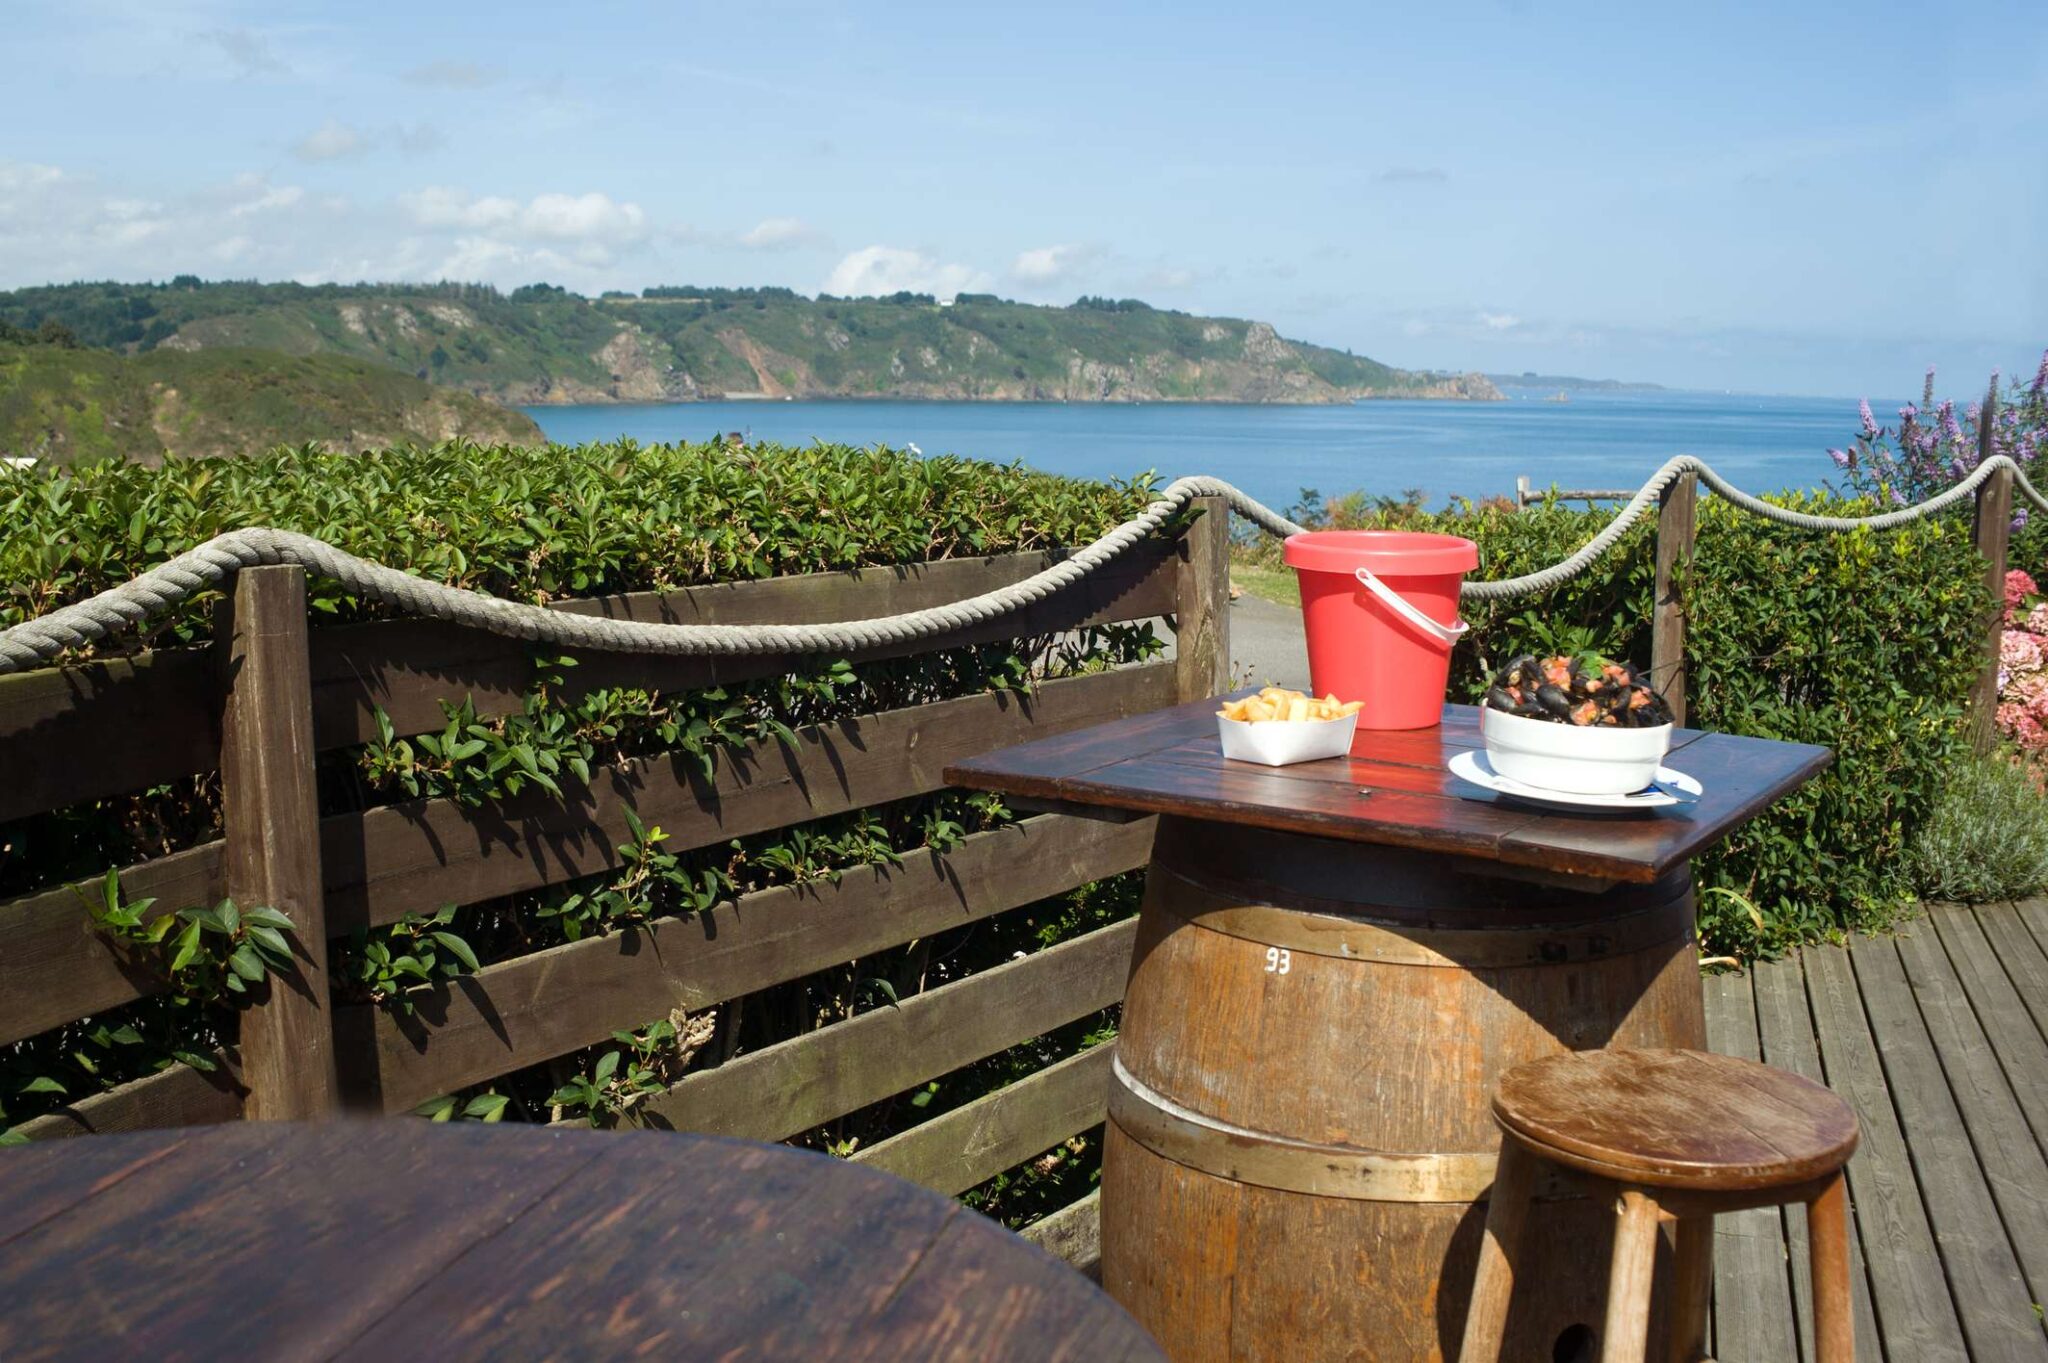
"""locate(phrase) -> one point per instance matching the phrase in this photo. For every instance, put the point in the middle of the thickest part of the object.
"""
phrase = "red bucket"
(1381, 611)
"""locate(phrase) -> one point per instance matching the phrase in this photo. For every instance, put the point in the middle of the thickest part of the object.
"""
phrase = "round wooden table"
(404, 1239)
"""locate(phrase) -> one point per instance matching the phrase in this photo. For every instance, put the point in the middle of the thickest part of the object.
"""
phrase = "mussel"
(1582, 691)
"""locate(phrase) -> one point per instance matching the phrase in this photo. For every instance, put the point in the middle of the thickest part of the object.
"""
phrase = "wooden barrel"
(1299, 1142)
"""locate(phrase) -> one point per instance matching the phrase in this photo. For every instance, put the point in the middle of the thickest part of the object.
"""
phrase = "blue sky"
(1812, 198)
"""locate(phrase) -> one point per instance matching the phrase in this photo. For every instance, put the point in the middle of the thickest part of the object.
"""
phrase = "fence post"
(271, 820)
(1676, 525)
(1521, 492)
(1993, 530)
(1201, 603)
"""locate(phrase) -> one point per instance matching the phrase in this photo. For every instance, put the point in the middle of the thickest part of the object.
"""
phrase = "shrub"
(1986, 836)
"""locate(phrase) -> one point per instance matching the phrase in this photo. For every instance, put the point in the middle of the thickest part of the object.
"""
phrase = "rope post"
(1993, 531)
(1677, 513)
(270, 818)
(1201, 603)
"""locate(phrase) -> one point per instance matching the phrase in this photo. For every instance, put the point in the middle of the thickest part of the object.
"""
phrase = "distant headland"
(542, 344)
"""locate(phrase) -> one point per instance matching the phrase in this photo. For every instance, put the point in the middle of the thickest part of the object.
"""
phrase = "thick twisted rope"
(213, 563)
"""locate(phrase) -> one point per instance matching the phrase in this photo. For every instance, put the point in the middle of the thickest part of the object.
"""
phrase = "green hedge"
(1865, 643)
(538, 524)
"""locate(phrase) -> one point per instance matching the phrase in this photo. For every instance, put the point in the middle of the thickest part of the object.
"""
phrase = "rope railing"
(214, 563)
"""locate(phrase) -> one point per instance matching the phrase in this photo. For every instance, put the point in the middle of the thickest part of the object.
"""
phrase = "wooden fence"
(260, 705)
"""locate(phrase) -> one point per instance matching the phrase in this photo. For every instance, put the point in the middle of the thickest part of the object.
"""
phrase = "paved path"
(1266, 643)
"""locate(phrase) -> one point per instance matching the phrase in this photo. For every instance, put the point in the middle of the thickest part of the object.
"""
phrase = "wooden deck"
(1939, 1037)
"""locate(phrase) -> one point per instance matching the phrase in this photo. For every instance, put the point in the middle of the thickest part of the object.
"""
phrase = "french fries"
(1279, 703)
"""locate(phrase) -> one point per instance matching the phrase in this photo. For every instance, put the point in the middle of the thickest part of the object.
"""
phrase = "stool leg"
(1694, 1282)
(1507, 1207)
(1827, 1233)
(1626, 1336)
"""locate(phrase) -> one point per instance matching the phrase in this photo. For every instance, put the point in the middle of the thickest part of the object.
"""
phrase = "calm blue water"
(1447, 449)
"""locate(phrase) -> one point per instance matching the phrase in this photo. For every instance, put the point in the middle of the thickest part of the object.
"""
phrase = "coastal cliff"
(543, 345)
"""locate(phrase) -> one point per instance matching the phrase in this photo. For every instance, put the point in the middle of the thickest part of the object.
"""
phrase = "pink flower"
(2016, 723)
(2019, 652)
(2037, 619)
(2029, 690)
(2018, 587)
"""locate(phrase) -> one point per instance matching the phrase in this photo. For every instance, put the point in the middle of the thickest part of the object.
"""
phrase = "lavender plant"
(1934, 445)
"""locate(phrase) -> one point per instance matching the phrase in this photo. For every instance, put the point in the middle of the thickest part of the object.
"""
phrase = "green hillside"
(541, 344)
(65, 404)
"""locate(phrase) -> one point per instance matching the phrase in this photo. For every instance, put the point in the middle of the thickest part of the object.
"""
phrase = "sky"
(1807, 198)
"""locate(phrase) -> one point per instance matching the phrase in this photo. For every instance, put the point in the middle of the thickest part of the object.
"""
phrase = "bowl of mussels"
(1582, 726)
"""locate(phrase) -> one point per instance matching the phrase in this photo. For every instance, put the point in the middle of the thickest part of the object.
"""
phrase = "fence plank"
(795, 1085)
(1201, 603)
(1073, 1233)
(54, 726)
(537, 1007)
(166, 703)
(54, 967)
(178, 1096)
(1677, 525)
(956, 1150)
(383, 863)
(418, 856)
(270, 820)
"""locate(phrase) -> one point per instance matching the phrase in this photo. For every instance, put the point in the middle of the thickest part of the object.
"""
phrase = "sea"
(1443, 450)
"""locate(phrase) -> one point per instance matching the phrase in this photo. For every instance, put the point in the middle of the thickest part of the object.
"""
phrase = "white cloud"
(780, 234)
(267, 199)
(583, 217)
(22, 176)
(453, 75)
(1050, 264)
(335, 140)
(331, 141)
(1499, 321)
(439, 206)
(891, 269)
(591, 217)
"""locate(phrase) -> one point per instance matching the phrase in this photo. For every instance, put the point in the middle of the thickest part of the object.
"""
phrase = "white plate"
(1472, 766)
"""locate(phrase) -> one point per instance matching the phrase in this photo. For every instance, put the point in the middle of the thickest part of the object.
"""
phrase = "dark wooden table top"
(405, 1239)
(1392, 790)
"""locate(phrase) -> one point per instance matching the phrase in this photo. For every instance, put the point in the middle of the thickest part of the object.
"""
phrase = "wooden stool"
(1678, 1133)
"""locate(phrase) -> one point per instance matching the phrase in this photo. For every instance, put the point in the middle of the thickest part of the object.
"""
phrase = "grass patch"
(1267, 583)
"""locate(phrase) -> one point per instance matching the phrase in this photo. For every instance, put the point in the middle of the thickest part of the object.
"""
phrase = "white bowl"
(1282, 742)
(1568, 758)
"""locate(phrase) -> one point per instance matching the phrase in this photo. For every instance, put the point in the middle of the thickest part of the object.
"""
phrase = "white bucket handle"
(1447, 635)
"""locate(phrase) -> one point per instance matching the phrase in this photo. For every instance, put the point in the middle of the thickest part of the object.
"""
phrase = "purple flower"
(1841, 458)
(1870, 422)
(2041, 377)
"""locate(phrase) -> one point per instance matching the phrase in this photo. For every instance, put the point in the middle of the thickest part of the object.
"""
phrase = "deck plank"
(1915, 1315)
(1785, 1024)
(2011, 1159)
(1752, 1317)
(1991, 1297)
(2010, 1011)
